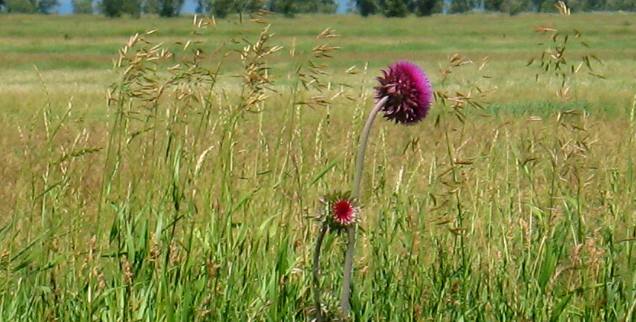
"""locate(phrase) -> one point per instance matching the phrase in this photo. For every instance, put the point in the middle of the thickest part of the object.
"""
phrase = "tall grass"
(195, 201)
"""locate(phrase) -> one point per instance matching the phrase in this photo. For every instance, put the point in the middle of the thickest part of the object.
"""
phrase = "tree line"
(401, 8)
(171, 8)
(388, 8)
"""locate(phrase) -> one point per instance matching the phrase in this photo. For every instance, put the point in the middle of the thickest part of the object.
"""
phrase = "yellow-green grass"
(195, 208)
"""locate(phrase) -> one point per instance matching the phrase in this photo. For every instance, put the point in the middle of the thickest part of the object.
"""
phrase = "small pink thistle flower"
(408, 91)
(344, 212)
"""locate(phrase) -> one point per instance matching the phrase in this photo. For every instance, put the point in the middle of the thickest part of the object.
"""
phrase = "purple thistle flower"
(408, 90)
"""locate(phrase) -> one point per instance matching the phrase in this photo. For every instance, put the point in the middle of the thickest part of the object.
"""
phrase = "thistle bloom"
(408, 91)
(344, 212)
(404, 95)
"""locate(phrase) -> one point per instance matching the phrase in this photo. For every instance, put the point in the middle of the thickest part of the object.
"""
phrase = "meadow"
(177, 174)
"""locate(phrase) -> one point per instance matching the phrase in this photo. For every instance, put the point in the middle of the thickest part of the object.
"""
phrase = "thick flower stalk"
(404, 95)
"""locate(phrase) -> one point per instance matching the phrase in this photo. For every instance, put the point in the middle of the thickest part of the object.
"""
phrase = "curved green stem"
(316, 271)
(362, 148)
(345, 306)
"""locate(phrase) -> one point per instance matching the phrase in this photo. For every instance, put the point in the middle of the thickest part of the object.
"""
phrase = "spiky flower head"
(341, 211)
(344, 212)
(408, 91)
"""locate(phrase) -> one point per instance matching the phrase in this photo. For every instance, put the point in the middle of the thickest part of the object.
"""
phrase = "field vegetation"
(184, 182)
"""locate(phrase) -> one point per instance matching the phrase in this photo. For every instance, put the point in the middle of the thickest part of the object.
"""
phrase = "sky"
(189, 6)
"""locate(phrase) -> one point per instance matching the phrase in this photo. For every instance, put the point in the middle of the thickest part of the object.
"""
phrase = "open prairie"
(173, 169)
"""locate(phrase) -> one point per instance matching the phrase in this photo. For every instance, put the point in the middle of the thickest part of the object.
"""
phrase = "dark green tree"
(494, 5)
(596, 5)
(535, 5)
(170, 8)
(132, 7)
(576, 5)
(247, 6)
(461, 6)
(286, 7)
(513, 7)
(316, 6)
(221, 8)
(30, 6)
(394, 8)
(423, 7)
(83, 6)
(546, 6)
(20, 6)
(44, 6)
(366, 7)
(626, 5)
(150, 7)
(112, 8)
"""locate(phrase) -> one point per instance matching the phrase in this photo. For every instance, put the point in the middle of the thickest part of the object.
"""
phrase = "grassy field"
(75, 54)
(185, 183)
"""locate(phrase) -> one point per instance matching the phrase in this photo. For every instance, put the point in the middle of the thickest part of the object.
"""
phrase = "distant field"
(75, 54)
(88, 42)
(192, 195)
